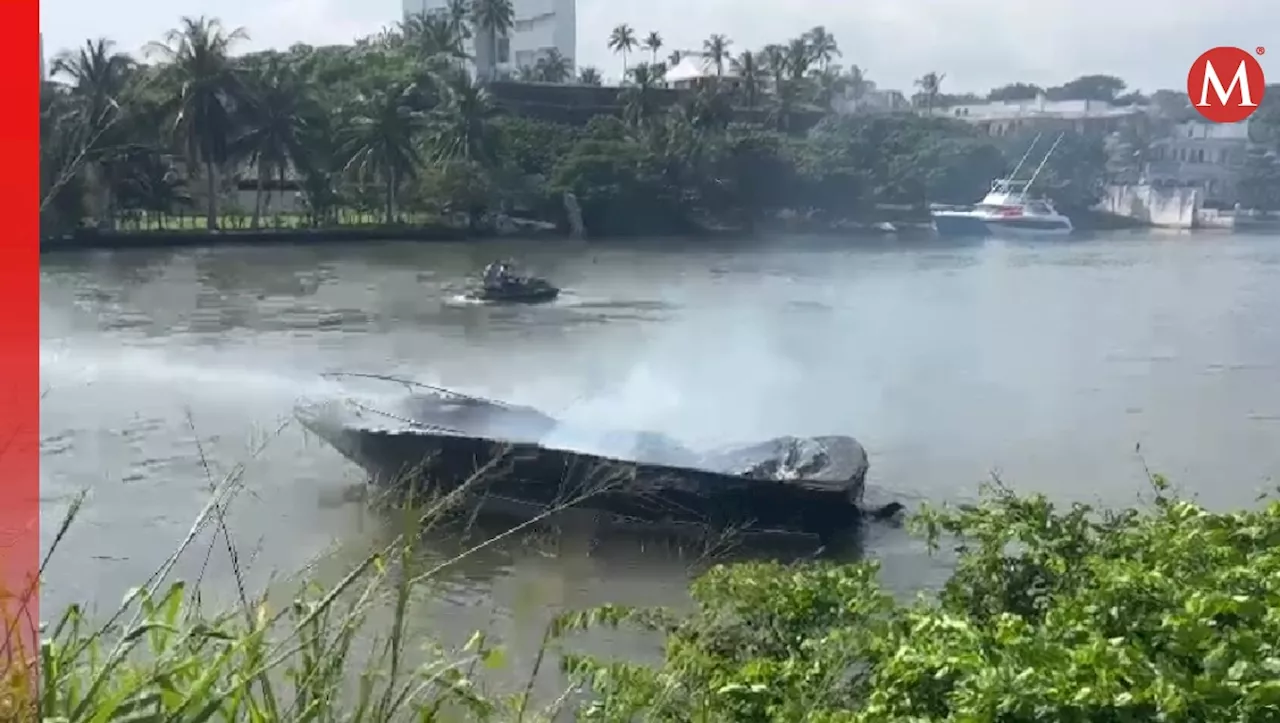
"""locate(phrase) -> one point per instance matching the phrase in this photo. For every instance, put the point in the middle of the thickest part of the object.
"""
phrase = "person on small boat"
(496, 275)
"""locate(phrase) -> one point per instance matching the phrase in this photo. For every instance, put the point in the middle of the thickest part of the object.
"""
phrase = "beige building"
(1043, 115)
(1201, 155)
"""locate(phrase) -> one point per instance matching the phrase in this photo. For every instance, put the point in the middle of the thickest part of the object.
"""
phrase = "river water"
(1047, 362)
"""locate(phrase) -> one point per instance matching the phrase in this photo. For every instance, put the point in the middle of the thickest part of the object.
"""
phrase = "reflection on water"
(1046, 361)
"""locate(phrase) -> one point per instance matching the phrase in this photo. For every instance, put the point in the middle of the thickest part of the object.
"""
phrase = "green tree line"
(393, 129)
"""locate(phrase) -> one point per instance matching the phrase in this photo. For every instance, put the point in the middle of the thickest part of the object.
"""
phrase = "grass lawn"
(283, 221)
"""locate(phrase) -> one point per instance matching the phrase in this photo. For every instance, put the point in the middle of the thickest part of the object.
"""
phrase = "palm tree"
(622, 40)
(653, 43)
(99, 76)
(638, 100)
(674, 58)
(275, 123)
(799, 57)
(380, 140)
(930, 85)
(716, 49)
(775, 62)
(589, 76)
(458, 14)
(822, 45)
(198, 62)
(462, 129)
(553, 68)
(747, 67)
(63, 140)
(433, 39)
(495, 18)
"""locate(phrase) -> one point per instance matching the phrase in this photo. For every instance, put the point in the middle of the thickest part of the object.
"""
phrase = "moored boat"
(1008, 209)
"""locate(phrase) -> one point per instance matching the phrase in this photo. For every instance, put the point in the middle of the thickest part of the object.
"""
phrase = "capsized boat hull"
(513, 459)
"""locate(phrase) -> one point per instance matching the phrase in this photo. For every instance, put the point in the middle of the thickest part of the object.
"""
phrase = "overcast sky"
(979, 44)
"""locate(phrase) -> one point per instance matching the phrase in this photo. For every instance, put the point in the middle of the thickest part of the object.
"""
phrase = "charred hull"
(508, 460)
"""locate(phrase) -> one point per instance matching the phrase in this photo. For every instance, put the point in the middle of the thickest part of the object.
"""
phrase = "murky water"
(1048, 362)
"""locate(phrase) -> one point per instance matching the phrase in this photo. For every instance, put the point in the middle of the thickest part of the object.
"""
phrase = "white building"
(540, 26)
(869, 99)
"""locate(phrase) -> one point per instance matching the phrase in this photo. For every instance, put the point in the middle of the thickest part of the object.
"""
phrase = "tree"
(99, 76)
(638, 99)
(198, 65)
(653, 43)
(930, 85)
(622, 40)
(822, 45)
(494, 18)
(1104, 88)
(589, 76)
(461, 128)
(747, 67)
(716, 50)
(1015, 92)
(552, 68)
(1259, 184)
(434, 39)
(274, 123)
(774, 63)
(381, 140)
(799, 58)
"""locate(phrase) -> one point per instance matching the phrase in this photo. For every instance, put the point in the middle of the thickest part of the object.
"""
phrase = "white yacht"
(1007, 210)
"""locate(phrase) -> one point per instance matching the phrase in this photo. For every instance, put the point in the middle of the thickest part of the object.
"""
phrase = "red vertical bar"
(20, 81)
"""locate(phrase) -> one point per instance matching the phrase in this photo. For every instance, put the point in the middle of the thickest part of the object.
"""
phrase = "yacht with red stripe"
(1007, 210)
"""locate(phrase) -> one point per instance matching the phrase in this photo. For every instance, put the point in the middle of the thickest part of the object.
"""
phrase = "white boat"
(1007, 210)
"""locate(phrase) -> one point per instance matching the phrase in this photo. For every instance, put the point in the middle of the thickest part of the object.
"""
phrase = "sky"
(978, 44)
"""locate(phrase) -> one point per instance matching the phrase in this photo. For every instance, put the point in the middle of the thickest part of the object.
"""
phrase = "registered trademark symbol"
(1260, 50)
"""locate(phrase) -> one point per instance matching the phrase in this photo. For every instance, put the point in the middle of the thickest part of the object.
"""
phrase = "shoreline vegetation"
(1169, 612)
(393, 131)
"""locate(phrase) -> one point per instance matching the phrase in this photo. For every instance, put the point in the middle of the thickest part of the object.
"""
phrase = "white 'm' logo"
(1241, 79)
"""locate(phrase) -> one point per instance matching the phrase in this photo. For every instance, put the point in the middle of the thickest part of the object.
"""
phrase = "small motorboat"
(516, 290)
(499, 285)
(513, 460)
(1007, 210)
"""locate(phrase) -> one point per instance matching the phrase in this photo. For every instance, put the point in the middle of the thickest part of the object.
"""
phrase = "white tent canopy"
(690, 67)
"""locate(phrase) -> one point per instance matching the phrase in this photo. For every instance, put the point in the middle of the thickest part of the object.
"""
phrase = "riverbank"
(900, 222)
(88, 240)
(1167, 612)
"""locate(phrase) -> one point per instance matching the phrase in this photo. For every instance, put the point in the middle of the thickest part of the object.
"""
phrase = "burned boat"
(516, 460)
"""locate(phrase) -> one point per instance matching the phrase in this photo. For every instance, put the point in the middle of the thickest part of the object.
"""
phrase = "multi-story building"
(870, 99)
(1042, 115)
(1202, 155)
(539, 27)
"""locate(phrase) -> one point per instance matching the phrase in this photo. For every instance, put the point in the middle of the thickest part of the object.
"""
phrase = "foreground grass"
(1170, 613)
